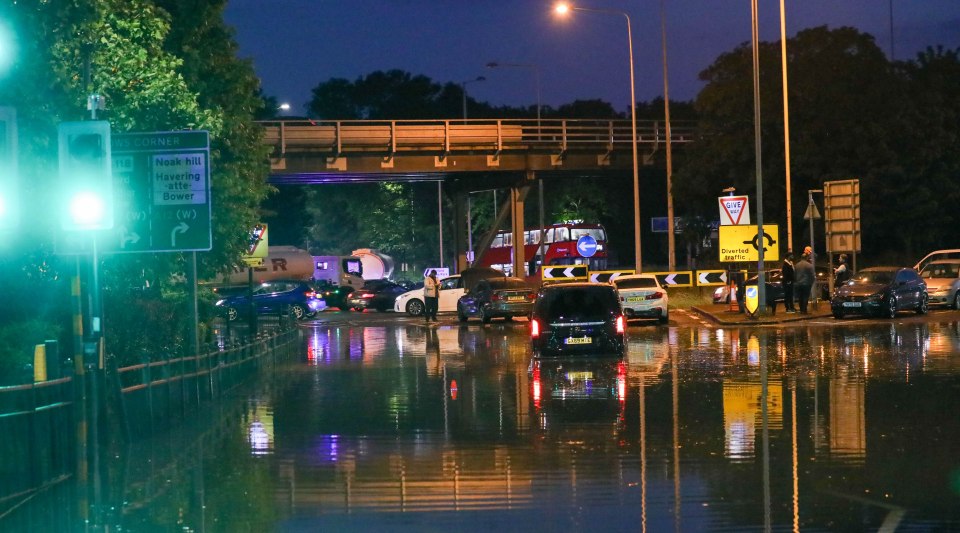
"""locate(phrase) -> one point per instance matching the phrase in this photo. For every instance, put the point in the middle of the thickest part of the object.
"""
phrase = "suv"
(577, 319)
(274, 296)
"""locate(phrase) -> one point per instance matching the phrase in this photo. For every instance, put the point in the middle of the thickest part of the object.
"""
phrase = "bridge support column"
(517, 196)
(459, 231)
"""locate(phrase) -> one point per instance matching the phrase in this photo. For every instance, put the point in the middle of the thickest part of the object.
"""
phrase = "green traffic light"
(86, 181)
(87, 210)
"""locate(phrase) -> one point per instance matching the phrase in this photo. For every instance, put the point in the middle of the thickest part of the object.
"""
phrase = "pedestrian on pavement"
(787, 278)
(431, 296)
(803, 281)
(841, 274)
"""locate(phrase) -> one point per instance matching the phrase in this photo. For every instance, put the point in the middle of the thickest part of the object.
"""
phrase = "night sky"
(296, 44)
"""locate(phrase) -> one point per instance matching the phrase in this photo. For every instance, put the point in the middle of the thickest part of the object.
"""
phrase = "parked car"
(334, 295)
(721, 295)
(641, 296)
(274, 296)
(880, 291)
(451, 289)
(943, 282)
(498, 297)
(937, 255)
(577, 319)
(375, 294)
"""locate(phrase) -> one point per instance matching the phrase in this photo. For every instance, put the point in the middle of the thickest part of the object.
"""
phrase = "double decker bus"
(559, 248)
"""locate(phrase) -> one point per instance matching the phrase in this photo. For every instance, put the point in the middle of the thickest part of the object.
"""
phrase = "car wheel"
(838, 314)
(461, 316)
(381, 309)
(891, 307)
(956, 301)
(484, 317)
(664, 319)
(232, 314)
(298, 311)
(924, 305)
(415, 307)
(508, 318)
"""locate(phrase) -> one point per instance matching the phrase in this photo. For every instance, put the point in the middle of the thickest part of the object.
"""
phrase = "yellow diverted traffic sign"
(740, 243)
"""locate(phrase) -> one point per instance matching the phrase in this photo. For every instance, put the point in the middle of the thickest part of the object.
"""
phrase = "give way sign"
(734, 210)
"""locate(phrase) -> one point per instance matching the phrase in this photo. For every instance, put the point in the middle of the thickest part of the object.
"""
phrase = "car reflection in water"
(567, 393)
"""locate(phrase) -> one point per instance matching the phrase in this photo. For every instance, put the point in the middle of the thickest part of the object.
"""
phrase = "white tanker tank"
(282, 262)
(375, 264)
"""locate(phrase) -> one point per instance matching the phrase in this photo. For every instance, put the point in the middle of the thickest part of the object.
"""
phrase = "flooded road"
(402, 427)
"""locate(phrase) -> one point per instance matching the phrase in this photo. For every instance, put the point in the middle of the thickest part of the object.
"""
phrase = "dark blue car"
(274, 296)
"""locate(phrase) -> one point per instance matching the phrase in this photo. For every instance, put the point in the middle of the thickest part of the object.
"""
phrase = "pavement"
(721, 314)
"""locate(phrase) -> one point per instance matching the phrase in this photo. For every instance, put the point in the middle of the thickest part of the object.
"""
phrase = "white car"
(641, 296)
(411, 302)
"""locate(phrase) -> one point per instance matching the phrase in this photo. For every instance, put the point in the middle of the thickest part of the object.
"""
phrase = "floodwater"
(403, 427)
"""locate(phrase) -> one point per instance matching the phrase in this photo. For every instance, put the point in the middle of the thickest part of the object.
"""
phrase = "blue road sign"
(586, 246)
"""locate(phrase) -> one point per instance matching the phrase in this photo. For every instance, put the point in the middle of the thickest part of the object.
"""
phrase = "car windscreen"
(875, 276)
(639, 283)
(951, 270)
(579, 304)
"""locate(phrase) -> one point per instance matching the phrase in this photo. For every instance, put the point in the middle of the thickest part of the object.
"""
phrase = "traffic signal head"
(86, 180)
(9, 178)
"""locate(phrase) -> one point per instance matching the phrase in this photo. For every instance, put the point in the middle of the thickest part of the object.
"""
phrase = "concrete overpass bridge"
(464, 156)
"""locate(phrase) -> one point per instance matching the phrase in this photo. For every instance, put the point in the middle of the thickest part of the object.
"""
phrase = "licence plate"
(636, 299)
(516, 298)
(578, 340)
(579, 376)
(851, 304)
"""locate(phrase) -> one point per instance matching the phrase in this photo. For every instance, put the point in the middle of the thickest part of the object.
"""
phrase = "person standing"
(841, 274)
(787, 278)
(803, 281)
(431, 296)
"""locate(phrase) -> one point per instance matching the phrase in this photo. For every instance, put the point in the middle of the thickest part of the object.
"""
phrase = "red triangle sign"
(734, 210)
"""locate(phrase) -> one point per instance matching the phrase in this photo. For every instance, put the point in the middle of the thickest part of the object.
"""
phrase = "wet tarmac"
(407, 427)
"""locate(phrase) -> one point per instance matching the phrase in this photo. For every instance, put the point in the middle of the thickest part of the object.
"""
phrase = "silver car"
(943, 282)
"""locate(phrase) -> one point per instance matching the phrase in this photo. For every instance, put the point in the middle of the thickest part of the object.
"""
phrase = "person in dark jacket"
(842, 272)
(787, 279)
(803, 281)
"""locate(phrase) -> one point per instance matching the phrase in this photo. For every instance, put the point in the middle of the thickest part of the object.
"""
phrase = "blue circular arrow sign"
(586, 246)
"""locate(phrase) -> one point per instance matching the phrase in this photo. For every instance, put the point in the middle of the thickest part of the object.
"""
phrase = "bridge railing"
(471, 135)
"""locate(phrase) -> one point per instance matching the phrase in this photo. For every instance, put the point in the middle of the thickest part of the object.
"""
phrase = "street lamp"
(563, 9)
(463, 92)
(536, 73)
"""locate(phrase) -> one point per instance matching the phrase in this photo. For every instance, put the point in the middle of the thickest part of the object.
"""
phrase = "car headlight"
(220, 302)
(876, 297)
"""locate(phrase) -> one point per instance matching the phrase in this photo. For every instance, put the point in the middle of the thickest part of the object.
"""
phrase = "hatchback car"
(943, 282)
(572, 319)
(641, 296)
(498, 297)
(880, 291)
(274, 296)
(375, 294)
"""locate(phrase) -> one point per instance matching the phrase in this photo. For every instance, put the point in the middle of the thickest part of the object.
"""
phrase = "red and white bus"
(559, 248)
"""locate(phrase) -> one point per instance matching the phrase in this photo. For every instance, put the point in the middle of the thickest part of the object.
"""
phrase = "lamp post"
(671, 238)
(761, 281)
(463, 92)
(563, 9)
(786, 122)
(536, 73)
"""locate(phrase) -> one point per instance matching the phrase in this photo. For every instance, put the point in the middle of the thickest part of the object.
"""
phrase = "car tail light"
(655, 296)
(367, 295)
(495, 297)
(310, 294)
(531, 296)
(534, 328)
(621, 324)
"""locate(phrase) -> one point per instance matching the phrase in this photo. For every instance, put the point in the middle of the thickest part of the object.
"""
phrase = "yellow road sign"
(740, 243)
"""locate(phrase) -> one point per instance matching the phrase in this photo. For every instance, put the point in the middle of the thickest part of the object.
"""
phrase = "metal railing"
(471, 135)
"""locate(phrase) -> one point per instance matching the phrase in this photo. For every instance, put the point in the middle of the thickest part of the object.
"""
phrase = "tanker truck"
(282, 262)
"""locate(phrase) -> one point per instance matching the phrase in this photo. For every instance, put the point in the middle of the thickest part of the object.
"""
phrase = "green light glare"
(8, 47)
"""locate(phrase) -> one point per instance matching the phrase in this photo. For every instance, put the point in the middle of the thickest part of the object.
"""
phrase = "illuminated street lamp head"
(284, 107)
(562, 8)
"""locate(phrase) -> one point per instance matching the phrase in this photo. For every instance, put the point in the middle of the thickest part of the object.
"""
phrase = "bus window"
(561, 234)
(532, 237)
(596, 233)
(497, 241)
(548, 236)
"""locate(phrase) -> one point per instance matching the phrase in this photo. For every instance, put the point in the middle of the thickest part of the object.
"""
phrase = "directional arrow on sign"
(568, 272)
(704, 278)
(125, 238)
(179, 228)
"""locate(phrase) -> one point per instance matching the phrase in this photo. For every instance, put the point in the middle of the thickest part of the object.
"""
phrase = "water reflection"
(844, 428)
